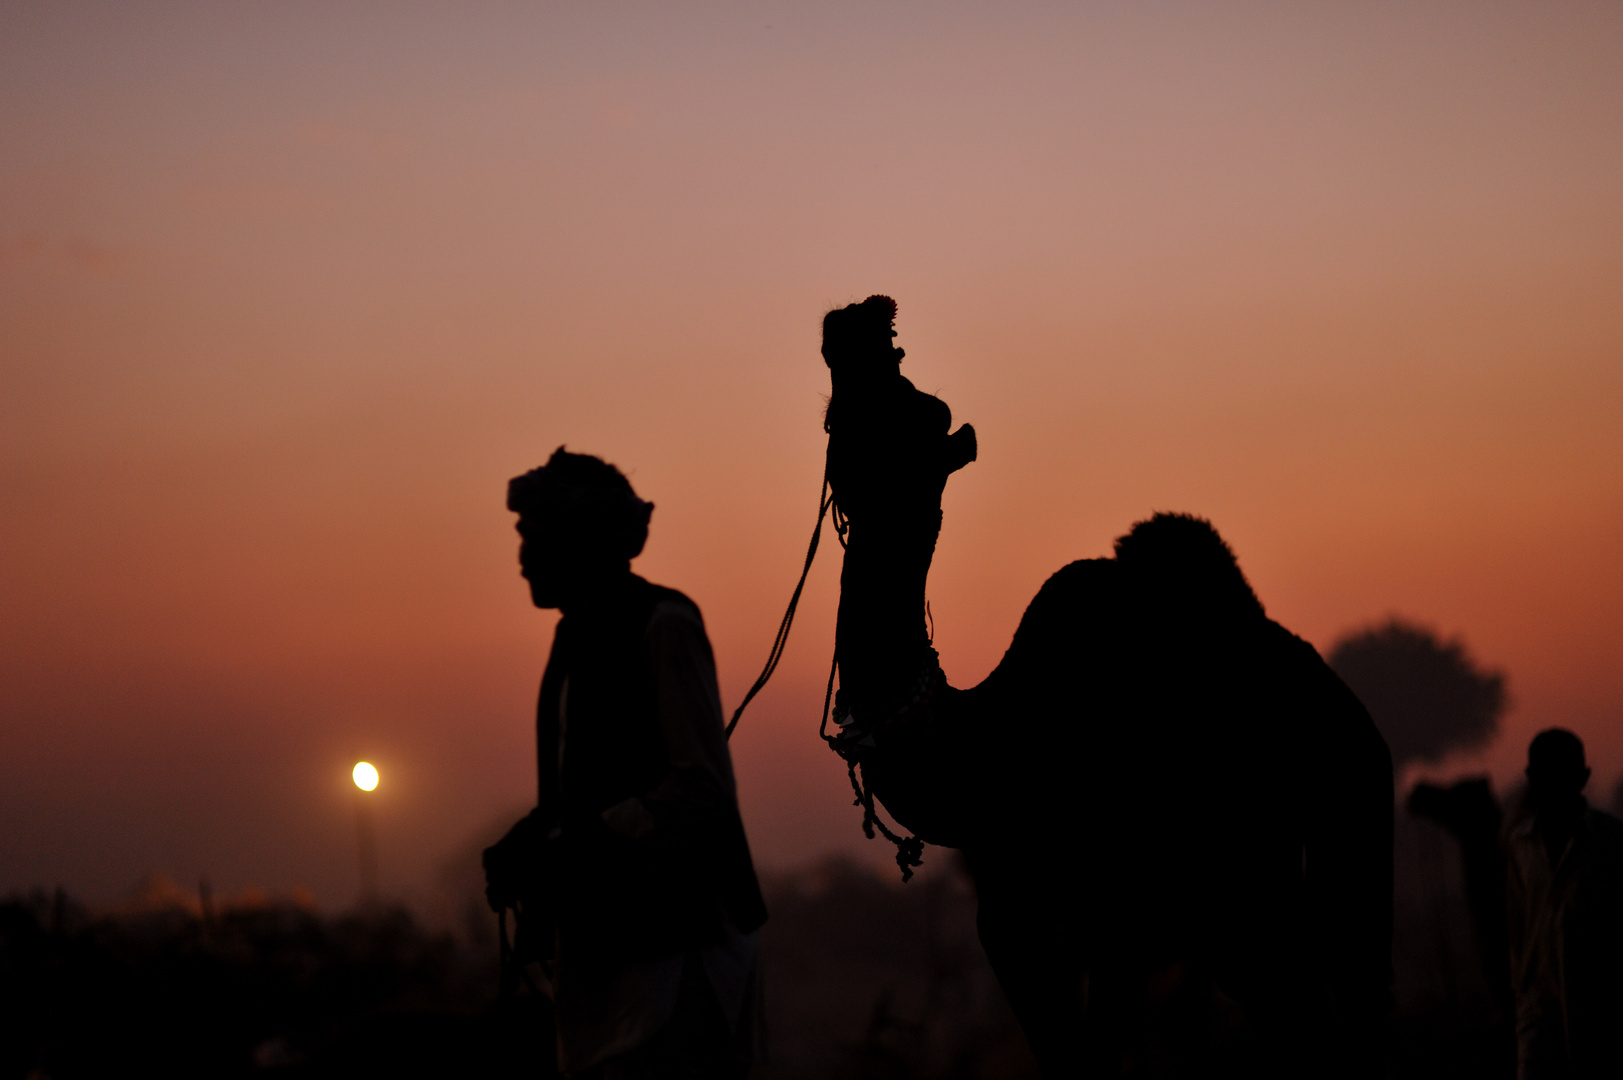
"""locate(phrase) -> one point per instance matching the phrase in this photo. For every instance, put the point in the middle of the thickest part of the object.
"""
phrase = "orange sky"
(287, 293)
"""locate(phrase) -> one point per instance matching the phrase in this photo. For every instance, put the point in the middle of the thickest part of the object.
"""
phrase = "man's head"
(857, 337)
(1556, 770)
(581, 524)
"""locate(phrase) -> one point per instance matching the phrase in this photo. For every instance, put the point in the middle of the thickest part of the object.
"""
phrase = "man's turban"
(586, 498)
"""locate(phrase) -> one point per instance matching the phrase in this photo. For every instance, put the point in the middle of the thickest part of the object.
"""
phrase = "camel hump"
(1182, 557)
(1078, 608)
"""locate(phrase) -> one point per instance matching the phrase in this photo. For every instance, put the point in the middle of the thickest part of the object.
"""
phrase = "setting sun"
(365, 775)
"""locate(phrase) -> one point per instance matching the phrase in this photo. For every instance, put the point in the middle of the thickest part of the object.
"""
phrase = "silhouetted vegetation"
(168, 991)
(866, 979)
(869, 979)
(1426, 695)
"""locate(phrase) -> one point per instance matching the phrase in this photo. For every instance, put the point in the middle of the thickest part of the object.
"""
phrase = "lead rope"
(824, 502)
(909, 849)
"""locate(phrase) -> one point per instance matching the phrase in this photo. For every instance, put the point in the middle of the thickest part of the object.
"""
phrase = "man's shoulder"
(670, 609)
(675, 631)
(1607, 828)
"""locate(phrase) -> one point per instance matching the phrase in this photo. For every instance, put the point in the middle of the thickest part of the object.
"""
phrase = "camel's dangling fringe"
(909, 849)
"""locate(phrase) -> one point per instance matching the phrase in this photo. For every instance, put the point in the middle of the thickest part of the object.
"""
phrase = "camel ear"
(961, 448)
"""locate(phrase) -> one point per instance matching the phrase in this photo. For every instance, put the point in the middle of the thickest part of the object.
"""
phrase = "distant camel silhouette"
(1470, 812)
(1155, 772)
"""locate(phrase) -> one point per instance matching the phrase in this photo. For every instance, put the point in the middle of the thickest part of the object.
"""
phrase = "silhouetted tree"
(1427, 696)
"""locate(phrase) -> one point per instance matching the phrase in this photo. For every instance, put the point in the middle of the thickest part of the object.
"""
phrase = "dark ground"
(866, 979)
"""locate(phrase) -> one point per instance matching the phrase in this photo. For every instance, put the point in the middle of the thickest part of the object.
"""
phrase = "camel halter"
(849, 740)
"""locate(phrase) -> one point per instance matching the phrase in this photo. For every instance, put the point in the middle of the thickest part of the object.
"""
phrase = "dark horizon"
(290, 293)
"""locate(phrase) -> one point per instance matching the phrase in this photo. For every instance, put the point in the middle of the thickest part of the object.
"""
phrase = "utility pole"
(366, 781)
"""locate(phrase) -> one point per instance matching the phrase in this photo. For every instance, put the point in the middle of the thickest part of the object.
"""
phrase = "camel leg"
(1044, 992)
(1032, 947)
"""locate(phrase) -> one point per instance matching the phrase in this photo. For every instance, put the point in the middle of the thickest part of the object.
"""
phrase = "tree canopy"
(1428, 696)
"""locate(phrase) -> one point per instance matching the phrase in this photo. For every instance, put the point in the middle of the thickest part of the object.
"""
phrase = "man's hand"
(630, 818)
(513, 864)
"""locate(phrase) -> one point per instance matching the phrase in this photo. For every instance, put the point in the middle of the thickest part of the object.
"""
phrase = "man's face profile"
(543, 561)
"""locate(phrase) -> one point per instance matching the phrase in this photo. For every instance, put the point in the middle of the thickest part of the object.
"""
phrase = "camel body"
(1155, 774)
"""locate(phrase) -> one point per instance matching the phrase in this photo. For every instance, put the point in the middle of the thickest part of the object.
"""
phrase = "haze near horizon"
(287, 294)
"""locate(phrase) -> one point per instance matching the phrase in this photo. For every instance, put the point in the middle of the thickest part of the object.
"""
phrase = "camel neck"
(880, 636)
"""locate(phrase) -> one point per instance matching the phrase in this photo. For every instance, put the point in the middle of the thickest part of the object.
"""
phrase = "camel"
(1156, 776)
(1470, 812)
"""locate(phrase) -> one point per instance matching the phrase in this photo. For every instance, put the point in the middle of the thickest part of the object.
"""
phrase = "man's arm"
(699, 787)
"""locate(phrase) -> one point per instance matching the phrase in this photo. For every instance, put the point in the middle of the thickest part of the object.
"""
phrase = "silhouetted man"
(634, 859)
(1566, 921)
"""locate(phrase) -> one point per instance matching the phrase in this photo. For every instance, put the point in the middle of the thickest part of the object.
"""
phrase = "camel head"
(889, 446)
(857, 342)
